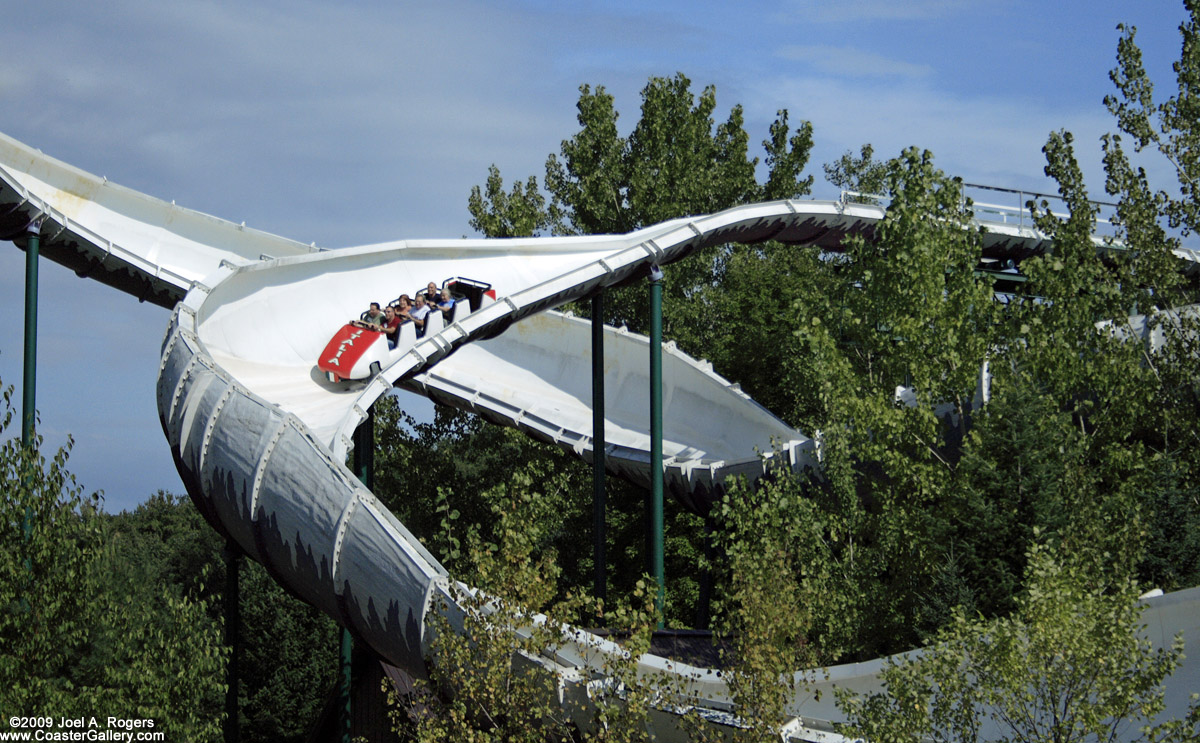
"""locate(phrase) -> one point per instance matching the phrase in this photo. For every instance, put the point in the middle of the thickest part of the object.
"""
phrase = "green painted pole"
(656, 435)
(29, 378)
(29, 382)
(704, 605)
(600, 582)
(364, 451)
(363, 464)
(233, 563)
(346, 655)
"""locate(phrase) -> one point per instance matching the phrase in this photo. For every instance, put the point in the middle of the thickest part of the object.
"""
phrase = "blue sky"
(357, 124)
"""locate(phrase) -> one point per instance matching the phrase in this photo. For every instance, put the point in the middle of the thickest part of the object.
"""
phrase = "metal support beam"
(656, 436)
(29, 377)
(363, 464)
(364, 451)
(29, 381)
(233, 563)
(600, 582)
(704, 605)
(345, 665)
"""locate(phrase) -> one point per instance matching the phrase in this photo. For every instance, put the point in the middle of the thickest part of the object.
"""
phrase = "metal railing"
(1014, 214)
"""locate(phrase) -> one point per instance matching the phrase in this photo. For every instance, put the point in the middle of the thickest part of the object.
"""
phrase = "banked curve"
(284, 495)
(263, 474)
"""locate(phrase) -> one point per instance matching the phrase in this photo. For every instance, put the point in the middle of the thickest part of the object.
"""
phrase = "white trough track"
(149, 248)
(260, 437)
(536, 376)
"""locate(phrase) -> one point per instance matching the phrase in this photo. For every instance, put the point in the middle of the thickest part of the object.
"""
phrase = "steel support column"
(29, 376)
(704, 605)
(656, 435)
(345, 666)
(363, 464)
(600, 581)
(29, 381)
(233, 564)
(364, 452)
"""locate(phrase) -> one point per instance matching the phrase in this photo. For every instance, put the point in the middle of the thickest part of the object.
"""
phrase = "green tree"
(497, 213)
(1070, 664)
(1021, 464)
(764, 538)
(288, 649)
(675, 161)
(1168, 129)
(68, 644)
(486, 681)
(906, 308)
(863, 175)
(51, 544)
(1087, 445)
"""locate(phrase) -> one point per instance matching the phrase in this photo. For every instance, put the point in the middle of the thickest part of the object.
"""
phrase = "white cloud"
(850, 62)
(12, 80)
(844, 11)
(995, 140)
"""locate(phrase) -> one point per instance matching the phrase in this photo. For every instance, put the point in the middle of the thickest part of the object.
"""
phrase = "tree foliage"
(289, 650)
(489, 680)
(70, 645)
(905, 308)
(1166, 129)
(499, 213)
(863, 176)
(1068, 665)
(770, 616)
(1170, 126)
(677, 160)
(1077, 462)
(928, 508)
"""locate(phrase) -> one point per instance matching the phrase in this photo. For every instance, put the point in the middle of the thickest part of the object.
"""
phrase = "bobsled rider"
(391, 326)
(403, 305)
(374, 315)
(419, 312)
(372, 320)
(446, 303)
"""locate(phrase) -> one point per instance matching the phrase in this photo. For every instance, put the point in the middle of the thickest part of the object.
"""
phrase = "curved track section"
(714, 430)
(260, 437)
(302, 513)
(268, 471)
(149, 248)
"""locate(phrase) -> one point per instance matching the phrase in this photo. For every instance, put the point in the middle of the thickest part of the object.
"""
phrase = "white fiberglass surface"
(268, 325)
(171, 238)
(299, 390)
(284, 312)
(542, 365)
